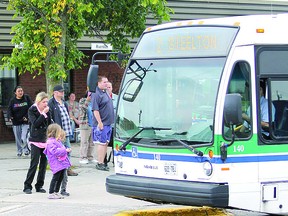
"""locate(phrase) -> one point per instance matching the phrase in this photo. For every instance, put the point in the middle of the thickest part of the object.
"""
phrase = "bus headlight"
(207, 167)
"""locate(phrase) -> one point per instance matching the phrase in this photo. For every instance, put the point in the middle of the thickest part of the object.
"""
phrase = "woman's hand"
(46, 109)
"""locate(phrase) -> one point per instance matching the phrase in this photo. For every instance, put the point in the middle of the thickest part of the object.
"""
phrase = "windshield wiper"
(123, 146)
(195, 151)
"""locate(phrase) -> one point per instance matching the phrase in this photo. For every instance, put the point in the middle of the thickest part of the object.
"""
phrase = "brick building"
(76, 82)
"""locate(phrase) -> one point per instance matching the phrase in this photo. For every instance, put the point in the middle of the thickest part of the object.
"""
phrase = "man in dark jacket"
(60, 115)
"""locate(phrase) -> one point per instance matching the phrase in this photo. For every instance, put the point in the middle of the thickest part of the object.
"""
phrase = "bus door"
(272, 70)
(242, 157)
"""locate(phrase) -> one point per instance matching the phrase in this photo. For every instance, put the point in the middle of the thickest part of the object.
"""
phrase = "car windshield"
(179, 94)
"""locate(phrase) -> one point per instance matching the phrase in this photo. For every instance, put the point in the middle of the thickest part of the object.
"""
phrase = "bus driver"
(264, 114)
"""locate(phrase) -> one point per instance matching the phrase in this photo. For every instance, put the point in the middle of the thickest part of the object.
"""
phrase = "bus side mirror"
(232, 116)
(92, 78)
(132, 90)
(233, 109)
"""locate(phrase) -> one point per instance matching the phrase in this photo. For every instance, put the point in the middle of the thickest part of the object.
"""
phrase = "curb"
(183, 211)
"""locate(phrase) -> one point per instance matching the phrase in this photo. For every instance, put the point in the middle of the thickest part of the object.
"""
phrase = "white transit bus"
(202, 116)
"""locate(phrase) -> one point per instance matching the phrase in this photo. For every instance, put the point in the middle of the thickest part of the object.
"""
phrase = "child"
(57, 158)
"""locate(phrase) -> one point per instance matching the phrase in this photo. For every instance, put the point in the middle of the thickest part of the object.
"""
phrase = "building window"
(7, 83)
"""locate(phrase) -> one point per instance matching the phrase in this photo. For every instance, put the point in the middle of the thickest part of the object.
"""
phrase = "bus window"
(240, 83)
(271, 62)
(266, 110)
(279, 97)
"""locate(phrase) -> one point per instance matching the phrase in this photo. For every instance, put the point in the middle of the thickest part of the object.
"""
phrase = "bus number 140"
(239, 148)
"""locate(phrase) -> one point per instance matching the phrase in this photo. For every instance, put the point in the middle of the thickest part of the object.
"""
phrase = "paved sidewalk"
(88, 192)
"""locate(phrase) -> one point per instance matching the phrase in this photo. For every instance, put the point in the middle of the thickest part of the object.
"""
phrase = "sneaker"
(102, 167)
(19, 154)
(26, 153)
(59, 195)
(64, 193)
(71, 173)
(41, 190)
(93, 161)
(53, 196)
(84, 161)
(27, 191)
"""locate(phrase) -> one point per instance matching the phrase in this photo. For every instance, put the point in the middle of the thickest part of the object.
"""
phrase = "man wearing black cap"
(60, 115)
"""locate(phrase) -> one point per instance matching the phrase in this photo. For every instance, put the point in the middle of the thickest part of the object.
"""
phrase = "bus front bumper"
(169, 191)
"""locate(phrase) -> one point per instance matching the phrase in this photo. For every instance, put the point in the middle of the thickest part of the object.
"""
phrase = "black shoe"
(27, 153)
(71, 173)
(27, 191)
(19, 154)
(102, 167)
(41, 190)
(64, 193)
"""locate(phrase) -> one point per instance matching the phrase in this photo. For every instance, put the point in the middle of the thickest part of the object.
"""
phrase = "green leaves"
(49, 30)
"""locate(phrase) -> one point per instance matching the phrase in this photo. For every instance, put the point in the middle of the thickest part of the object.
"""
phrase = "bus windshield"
(179, 94)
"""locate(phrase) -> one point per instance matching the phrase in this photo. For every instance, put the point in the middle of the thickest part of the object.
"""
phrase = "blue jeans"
(20, 133)
(72, 137)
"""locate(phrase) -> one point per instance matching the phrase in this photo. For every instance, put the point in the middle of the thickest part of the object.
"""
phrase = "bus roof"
(254, 29)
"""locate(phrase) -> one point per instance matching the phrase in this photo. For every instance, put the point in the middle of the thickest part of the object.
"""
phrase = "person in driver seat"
(264, 108)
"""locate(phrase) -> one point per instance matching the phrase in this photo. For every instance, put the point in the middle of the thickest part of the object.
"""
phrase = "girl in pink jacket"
(57, 156)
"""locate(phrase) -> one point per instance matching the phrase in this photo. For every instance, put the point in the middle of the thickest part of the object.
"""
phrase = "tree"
(49, 30)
